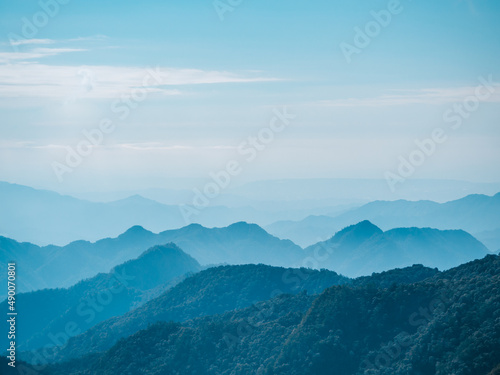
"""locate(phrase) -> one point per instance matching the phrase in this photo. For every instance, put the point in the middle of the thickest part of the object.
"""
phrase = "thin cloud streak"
(422, 96)
(37, 53)
(59, 82)
(22, 42)
(137, 146)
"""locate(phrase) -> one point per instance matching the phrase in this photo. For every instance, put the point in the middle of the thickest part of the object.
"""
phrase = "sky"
(102, 95)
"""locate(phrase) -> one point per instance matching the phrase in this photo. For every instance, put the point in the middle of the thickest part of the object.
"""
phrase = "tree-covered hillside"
(51, 316)
(445, 324)
(212, 291)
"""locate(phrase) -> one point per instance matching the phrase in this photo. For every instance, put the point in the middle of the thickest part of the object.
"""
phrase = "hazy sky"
(181, 86)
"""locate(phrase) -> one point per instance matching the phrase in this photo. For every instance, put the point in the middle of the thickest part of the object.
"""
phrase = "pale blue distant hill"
(54, 266)
(474, 213)
(363, 248)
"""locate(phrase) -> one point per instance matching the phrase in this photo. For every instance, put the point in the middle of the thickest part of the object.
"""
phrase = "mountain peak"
(157, 265)
(167, 248)
(194, 226)
(136, 230)
(166, 252)
(239, 224)
(244, 227)
(356, 234)
(244, 224)
(364, 229)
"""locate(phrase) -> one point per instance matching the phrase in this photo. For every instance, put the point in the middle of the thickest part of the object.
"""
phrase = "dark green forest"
(408, 321)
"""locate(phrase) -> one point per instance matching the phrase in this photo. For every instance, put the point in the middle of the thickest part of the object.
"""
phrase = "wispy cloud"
(21, 42)
(59, 82)
(131, 146)
(151, 146)
(35, 41)
(22, 74)
(159, 146)
(14, 144)
(37, 53)
(406, 97)
(92, 38)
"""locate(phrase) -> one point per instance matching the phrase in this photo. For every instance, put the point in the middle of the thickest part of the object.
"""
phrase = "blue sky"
(221, 80)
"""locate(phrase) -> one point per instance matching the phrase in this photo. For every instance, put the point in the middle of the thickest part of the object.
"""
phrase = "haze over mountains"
(476, 214)
(53, 266)
(76, 309)
(304, 193)
(45, 217)
(355, 251)
(234, 289)
(230, 187)
(164, 285)
(364, 248)
(67, 219)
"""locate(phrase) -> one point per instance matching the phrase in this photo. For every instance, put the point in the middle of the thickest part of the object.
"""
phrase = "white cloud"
(37, 53)
(66, 82)
(149, 146)
(31, 41)
(22, 75)
(405, 97)
(22, 42)
(137, 146)
(92, 38)
(158, 146)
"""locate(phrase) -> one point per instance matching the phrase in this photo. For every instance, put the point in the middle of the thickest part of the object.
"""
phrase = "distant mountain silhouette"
(238, 243)
(444, 324)
(43, 217)
(53, 266)
(47, 313)
(31, 258)
(474, 213)
(364, 248)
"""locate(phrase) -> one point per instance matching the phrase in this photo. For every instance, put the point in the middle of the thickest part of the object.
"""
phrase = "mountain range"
(431, 325)
(43, 217)
(389, 287)
(212, 291)
(48, 218)
(54, 266)
(50, 316)
(364, 248)
(355, 251)
(476, 214)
